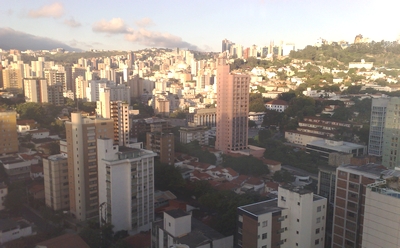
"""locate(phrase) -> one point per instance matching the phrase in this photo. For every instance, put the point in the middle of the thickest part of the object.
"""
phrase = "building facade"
(163, 145)
(35, 90)
(232, 108)
(9, 140)
(391, 135)
(377, 126)
(126, 186)
(56, 189)
(82, 134)
(189, 134)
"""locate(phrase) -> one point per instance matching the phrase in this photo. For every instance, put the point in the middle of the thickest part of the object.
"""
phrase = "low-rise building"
(178, 228)
(11, 229)
(325, 147)
(189, 134)
(277, 105)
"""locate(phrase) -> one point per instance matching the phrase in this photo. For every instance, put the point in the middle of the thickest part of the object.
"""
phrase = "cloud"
(12, 39)
(55, 10)
(156, 39)
(114, 26)
(144, 22)
(72, 23)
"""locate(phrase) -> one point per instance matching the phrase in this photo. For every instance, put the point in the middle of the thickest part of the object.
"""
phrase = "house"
(277, 105)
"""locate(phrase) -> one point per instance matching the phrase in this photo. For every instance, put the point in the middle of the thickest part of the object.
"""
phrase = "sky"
(196, 24)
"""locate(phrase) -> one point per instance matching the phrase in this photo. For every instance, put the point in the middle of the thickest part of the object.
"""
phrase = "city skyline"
(121, 25)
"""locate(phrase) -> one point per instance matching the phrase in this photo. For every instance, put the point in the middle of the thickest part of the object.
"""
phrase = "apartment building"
(56, 186)
(8, 130)
(232, 108)
(126, 186)
(81, 135)
(295, 219)
(163, 145)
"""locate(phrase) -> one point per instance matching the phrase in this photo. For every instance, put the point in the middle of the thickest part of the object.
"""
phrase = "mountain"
(12, 39)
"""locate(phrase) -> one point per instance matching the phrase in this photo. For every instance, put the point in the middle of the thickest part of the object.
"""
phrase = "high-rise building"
(162, 144)
(130, 60)
(382, 208)
(12, 80)
(82, 134)
(377, 126)
(294, 219)
(348, 217)
(35, 90)
(232, 108)
(118, 111)
(126, 186)
(55, 170)
(9, 136)
(226, 45)
(55, 94)
(391, 135)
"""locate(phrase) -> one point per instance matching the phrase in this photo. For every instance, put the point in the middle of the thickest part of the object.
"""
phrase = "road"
(299, 172)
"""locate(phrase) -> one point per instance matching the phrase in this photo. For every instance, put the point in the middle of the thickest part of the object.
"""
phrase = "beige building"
(12, 79)
(232, 108)
(8, 130)
(163, 145)
(56, 190)
(55, 94)
(35, 90)
(189, 134)
(82, 135)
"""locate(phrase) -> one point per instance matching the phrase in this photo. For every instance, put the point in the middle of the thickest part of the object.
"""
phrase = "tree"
(283, 176)
(252, 124)
(247, 165)
(167, 177)
(15, 198)
(256, 103)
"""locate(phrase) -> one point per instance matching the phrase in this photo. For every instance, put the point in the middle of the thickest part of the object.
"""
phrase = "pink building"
(232, 108)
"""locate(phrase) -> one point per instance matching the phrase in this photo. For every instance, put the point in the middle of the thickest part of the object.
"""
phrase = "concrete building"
(301, 138)
(162, 144)
(295, 219)
(35, 90)
(189, 134)
(381, 222)
(82, 134)
(232, 108)
(203, 117)
(180, 229)
(55, 94)
(349, 211)
(391, 135)
(12, 80)
(325, 147)
(377, 126)
(9, 140)
(11, 229)
(118, 111)
(56, 189)
(126, 186)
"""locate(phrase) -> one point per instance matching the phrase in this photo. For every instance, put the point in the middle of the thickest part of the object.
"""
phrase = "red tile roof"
(64, 241)
(140, 240)
(36, 168)
(278, 102)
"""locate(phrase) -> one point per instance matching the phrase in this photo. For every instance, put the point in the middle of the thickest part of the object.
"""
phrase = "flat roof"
(297, 189)
(371, 169)
(177, 213)
(263, 207)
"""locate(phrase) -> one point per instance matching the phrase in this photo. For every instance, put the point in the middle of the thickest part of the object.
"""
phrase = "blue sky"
(201, 25)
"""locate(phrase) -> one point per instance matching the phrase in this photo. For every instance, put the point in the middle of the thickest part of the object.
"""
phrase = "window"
(318, 220)
(283, 198)
(297, 232)
(298, 203)
(317, 241)
(298, 220)
(264, 236)
(239, 230)
(319, 209)
(317, 231)
(264, 223)
(264, 246)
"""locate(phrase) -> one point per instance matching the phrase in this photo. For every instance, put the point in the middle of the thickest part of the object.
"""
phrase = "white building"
(307, 213)
(295, 219)
(35, 90)
(11, 230)
(189, 134)
(277, 105)
(179, 229)
(377, 125)
(126, 186)
(381, 227)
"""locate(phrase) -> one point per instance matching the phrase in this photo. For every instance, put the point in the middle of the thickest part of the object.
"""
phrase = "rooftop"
(263, 207)
(177, 213)
(296, 189)
(371, 170)
(64, 241)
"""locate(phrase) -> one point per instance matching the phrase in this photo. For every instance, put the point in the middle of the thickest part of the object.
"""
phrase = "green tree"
(167, 177)
(283, 176)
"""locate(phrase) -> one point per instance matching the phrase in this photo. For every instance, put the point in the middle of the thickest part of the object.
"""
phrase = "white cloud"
(157, 39)
(55, 10)
(144, 22)
(114, 26)
(72, 23)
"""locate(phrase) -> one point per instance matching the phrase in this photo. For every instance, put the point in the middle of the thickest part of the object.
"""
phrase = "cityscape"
(121, 133)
